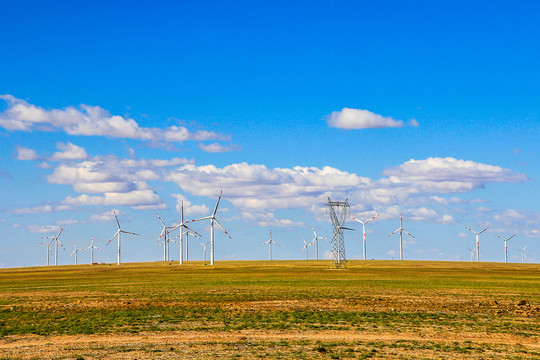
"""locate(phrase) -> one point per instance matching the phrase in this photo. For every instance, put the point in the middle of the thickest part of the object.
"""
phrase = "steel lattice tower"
(338, 213)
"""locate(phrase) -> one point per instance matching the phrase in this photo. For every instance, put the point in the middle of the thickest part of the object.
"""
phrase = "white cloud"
(268, 219)
(25, 153)
(53, 229)
(141, 199)
(453, 171)
(218, 148)
(349, 118)
(255, 186)
(91, 120)
(189, 208)
(69, 151)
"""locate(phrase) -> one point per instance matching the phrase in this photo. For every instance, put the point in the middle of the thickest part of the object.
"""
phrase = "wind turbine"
(523, 254)
(270, 242)
(117, 235)
(57, 241)
(316, 239)
(183, 230)
(48, 245)
(204, 248)
(505, 247)
(213, 219)
(472, 254)
(306, 247)
(76, 251)
(401, 231)
(165, 234)
(92, 247)
(364, 230)
(477, 241)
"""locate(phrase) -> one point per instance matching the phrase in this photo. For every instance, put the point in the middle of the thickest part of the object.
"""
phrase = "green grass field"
(407, 301)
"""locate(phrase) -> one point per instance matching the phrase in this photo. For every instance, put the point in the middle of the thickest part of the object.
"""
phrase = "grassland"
(277, 309)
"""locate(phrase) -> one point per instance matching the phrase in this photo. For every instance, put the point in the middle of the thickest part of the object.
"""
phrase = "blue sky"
(426, 108)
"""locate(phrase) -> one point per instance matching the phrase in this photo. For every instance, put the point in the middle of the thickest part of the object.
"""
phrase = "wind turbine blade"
(108, 242)
(314, 233)
(127, 232)
(373, 218)
(483, 230)
(222, 228)
(352, 217)
(471, 230)
(200, 219)
(217, 204)
(117, 222)
(344, 228)
(62, 228)
(266, 242)
(409, 234)
(161, 221)
(395, 231)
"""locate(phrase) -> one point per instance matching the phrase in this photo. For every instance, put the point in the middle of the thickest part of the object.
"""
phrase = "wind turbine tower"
(49, 251)
(364, 223)
(117, 235)
(338, 213)
(472, 253)
(401, 231)
(56, 241)
(477, 241)
(92, 247)
(270, 242)
(165, 234)
(523, 254)
(306, 247)
(212, 218)
(506, 247)
(76, 251)
(183, 230)
(204, 248)
(316, 240)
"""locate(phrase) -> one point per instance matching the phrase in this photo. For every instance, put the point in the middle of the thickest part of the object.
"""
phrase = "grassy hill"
(371, 297)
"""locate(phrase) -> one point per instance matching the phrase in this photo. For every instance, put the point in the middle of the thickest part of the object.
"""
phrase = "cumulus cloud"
(451, 170)
(69, 151)
(349, 118)
(256, 186)
(268, 219)
(189, 208)
(218, 148)
(87, 120)
(25, 153)
(40, 209)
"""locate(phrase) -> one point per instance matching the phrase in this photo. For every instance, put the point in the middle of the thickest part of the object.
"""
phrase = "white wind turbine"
(364, 223)
(49, 251)
(306, 247)
(57, 241)
(506, 247)
(183, 230)
(117, 235)
(213, 219)
(270, 242)
(204, 248)
(316, 240)
(92, 247)
(165, 234)
(401, 231)
(472, 253)
(523, 254)
(75, 251)
(477, 241)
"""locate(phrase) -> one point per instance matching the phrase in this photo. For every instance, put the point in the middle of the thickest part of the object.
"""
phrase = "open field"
(277, 309)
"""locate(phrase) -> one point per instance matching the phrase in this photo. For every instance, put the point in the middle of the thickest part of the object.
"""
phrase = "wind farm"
(223, 180)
